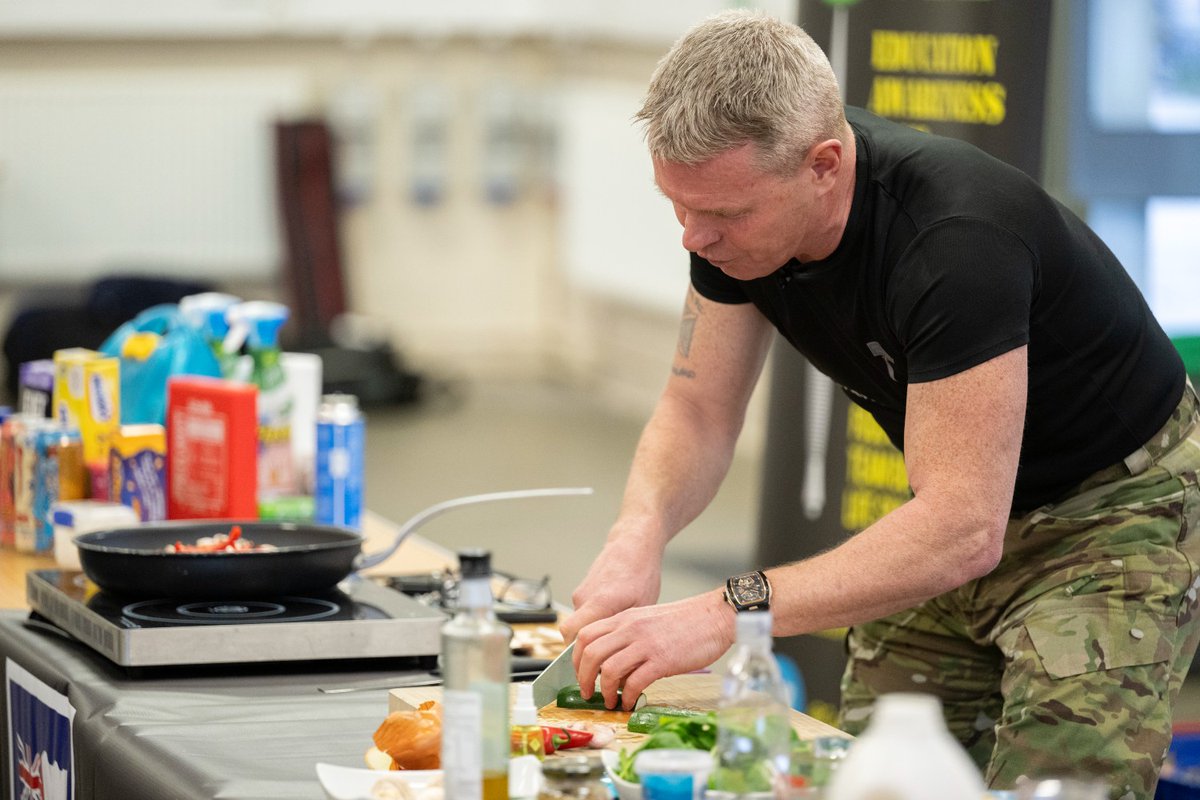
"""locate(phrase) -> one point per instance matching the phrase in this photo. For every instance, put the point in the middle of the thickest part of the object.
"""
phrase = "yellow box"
(87, 396)
(138, 470)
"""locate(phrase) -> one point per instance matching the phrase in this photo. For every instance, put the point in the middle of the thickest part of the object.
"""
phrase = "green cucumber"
(572, 697)
(646, 719)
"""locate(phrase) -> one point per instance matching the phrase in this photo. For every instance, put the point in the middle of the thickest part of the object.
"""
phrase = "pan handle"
(371, 559)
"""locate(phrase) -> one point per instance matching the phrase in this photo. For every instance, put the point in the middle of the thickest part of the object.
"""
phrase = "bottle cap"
(256, 322)
(672, 761)
(206, 312)
(754, 624)
(475, 563)
(524, 711)
(911, 711)
(572, 767)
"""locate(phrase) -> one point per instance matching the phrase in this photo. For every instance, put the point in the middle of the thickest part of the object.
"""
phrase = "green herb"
(699, 732)
(688, 733)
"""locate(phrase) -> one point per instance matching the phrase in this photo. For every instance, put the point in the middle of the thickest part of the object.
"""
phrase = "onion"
(413, 738)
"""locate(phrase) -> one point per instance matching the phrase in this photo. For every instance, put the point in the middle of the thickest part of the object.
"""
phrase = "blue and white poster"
(39, 736)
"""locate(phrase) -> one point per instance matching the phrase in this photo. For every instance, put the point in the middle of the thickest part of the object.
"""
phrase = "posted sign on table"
(41, 764)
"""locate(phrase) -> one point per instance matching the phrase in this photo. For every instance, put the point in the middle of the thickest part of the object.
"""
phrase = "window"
(1134, 133)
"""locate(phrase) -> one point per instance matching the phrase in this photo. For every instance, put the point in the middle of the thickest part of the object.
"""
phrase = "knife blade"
(560, 673)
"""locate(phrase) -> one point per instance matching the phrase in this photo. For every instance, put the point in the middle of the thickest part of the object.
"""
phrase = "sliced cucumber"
(646, 719)
(572, 697)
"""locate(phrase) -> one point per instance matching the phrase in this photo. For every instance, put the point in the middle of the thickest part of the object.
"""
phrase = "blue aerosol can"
(339, 461)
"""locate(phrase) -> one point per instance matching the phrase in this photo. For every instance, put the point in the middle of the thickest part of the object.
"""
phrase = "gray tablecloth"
(235, 737)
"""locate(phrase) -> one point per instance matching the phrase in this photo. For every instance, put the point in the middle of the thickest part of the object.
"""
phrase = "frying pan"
(134, 562)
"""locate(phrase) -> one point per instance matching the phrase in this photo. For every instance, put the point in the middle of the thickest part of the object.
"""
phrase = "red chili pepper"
(220, 546)
(555, 738)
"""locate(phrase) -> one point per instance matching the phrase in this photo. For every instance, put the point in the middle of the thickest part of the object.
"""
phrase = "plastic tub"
(73, 517)
(671, 774)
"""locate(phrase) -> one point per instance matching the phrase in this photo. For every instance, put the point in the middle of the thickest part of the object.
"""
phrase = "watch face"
(749, 589)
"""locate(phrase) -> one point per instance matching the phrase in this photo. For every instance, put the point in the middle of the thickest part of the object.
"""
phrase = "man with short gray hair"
(1040, 578)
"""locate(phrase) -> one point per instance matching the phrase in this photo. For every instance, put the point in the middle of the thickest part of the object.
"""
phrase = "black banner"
(971, 69)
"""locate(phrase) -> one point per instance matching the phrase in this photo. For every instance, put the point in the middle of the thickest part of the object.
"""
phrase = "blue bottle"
(339, 462)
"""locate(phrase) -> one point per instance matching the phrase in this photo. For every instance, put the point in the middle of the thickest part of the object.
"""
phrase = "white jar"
(73, 517)
(907, 753)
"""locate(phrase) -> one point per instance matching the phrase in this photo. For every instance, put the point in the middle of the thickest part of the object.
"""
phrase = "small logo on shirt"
(877, 350)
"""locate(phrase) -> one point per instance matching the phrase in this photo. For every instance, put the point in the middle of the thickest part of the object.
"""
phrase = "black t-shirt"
(951, 257)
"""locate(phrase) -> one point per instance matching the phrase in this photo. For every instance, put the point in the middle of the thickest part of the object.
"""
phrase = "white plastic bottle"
(476, 661)
(526, 733)
(753, 730)
(907, 753)
(257, 324)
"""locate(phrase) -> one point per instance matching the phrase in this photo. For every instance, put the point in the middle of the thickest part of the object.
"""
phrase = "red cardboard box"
(212, 449)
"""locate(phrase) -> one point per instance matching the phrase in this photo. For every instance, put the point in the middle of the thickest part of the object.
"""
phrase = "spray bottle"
(526, 733)
(257, 323)
(206, 312)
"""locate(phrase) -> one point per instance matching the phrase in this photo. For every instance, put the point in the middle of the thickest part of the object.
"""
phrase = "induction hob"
(358, 620)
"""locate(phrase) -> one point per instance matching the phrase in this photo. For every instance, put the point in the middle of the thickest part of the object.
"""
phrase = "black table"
(221, 733)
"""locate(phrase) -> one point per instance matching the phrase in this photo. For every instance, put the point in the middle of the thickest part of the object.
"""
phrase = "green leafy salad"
(684, 733)
(700, 733)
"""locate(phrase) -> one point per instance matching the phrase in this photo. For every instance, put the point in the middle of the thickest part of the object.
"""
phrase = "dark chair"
(43, 325)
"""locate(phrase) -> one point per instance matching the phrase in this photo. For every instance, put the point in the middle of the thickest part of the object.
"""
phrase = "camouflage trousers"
(1065, 660)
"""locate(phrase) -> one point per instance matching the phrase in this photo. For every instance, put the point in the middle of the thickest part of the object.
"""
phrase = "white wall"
(579, 277)
(171, 167)
(621, 20)
(620, 236)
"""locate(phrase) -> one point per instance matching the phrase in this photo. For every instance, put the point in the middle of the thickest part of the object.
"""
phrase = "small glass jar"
(579, 777)
(828, 754)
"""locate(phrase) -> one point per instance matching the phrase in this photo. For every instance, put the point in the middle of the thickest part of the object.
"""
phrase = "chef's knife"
(560, 673)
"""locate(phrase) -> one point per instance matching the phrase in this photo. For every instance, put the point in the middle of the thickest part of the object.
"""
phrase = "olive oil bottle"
(476, 663)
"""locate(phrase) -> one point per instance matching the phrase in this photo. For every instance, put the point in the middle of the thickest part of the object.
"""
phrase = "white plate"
(351, 783)
(625, 789)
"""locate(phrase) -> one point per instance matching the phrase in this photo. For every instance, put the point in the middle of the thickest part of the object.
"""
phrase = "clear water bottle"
(906, 753)
(753, 727)
(476, 667)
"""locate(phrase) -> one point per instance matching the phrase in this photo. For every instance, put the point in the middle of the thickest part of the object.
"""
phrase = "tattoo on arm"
(687, 328)
(691, 315)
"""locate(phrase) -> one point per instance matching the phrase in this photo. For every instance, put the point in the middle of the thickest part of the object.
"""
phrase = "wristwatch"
(748, 592)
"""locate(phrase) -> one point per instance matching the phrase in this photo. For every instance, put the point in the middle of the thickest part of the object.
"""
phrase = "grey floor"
(487, 437)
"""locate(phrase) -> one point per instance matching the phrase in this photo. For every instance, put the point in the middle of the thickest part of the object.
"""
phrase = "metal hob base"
(360, 620)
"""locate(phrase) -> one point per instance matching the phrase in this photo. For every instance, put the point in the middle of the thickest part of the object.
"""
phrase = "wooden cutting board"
(699, 691)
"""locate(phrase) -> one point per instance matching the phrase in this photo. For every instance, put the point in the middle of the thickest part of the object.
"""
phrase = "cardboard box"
(138, 461)
(87, 396)
(212, 449)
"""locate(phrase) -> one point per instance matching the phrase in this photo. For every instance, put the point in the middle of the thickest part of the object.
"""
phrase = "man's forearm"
(680, 461)
(908, 556)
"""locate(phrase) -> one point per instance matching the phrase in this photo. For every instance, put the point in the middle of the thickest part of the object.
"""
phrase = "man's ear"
(825, 159)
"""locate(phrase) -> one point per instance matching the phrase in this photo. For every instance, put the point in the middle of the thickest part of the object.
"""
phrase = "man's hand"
(638, 646)
(624, 575)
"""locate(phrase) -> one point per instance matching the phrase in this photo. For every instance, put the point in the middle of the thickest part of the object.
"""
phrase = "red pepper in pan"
(555, 738)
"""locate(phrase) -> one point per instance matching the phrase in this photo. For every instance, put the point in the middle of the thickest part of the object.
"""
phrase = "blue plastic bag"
(153, 346)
